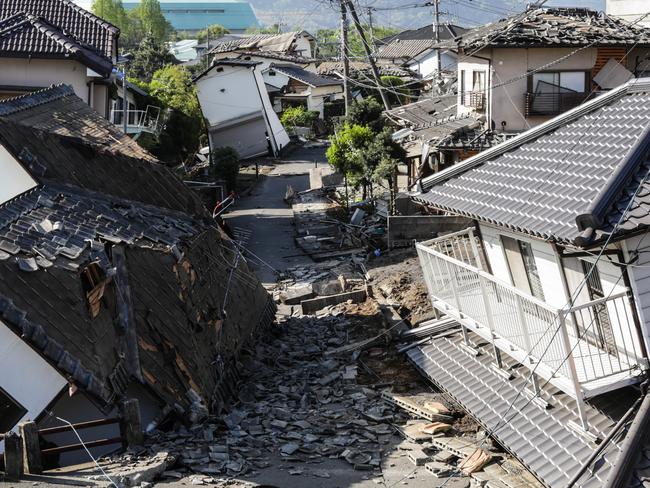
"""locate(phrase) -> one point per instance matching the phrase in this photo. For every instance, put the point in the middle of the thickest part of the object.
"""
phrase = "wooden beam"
(32, 461)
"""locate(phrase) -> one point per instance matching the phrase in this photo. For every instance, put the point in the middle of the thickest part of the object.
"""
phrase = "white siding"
(549, 273)
(15, 180)
(26, 376)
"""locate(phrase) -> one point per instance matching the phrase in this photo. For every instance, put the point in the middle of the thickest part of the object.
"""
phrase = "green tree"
(366, 112)
(298, 117)
(149, 20)
(329, 44)
(171, 89)
(113, 11)
(149, 57)
(383, 156)
(213, 32)
(397, 92)
(271, 29)
(346, 153)
(225, 165)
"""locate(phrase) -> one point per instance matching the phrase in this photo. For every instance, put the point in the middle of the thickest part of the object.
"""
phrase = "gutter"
(637, 434)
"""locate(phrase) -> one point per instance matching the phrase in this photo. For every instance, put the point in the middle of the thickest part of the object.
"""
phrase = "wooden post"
(32, 462)
(13, 455)
(130, 423)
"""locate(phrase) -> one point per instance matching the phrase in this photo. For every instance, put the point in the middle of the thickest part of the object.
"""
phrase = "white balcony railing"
(563, 346)
(138, 121)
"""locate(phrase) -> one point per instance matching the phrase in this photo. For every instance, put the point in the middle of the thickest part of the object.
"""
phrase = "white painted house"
(237, 109)
(551, 286)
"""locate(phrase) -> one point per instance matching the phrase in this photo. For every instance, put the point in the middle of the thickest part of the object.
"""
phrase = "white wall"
(427, 64)
(228, 94)
(40, 73)
(238, 92)
(549, 273)
(640, 280)
(629, 10)
(26, 376)
(15, 179)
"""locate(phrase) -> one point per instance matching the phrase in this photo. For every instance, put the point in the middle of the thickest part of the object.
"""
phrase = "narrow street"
(267, 220)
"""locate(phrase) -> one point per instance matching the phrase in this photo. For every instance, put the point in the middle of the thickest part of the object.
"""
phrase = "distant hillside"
(315, 14)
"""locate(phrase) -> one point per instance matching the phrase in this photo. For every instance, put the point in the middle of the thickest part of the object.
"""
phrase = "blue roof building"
(195, 15)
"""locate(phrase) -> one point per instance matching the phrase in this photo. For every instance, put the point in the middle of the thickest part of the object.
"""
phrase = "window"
(596, 326)
(462, 81)
(478, 81)
(10, 411)
(559, 82)
(522, 266)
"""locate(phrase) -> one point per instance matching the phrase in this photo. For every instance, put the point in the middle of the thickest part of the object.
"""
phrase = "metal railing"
(552, 103)
(138, 120)
(565, 346)
(473, 99)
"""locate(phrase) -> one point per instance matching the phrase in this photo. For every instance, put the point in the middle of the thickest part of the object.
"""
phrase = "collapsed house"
(549, 291)
(238, 110)
(115, 281)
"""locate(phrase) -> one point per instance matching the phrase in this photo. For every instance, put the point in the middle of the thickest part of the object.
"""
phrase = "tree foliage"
(366, 112)
(225, 165)
(149, 57)
(397, 93)
(213, 32)
(298, 117)
(329, 44)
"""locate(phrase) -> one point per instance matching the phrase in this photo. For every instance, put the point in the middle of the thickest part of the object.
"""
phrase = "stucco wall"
(40, 73)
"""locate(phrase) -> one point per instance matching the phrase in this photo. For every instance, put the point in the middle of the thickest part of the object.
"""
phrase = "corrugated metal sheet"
(541, 438)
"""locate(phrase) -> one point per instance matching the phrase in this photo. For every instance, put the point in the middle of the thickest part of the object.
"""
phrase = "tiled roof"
(409, 48)
(554, 27)
(555, 181)
(58, 110)
(257, 42)
(71, 160)
(445, 31)
(424, 113)
(304, 76)
(64, 17)
(335, 68)
(25, 35)
(280, 56)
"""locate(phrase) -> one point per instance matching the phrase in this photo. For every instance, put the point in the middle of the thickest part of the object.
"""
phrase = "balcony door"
(598, 329)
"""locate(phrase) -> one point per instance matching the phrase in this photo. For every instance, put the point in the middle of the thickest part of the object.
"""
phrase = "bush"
(299, 117)
(225, 165)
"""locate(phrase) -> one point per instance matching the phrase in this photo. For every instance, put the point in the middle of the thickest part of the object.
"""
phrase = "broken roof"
(58, 110)
(56, 28)
(111, 271)
(554, 27)
(243, 63)
(280, 56)
(408, 48)
(304, 76)
(569, 179)
(335, 68)
(445, 31)
(424, 113)
(259, 42)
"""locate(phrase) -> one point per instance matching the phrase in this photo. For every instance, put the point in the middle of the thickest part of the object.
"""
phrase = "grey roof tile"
(304, 76)
(540, 181)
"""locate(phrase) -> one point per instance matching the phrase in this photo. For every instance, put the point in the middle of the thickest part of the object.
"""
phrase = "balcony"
(560, 345)
(552, 103)
(473, 99)
(138, 121)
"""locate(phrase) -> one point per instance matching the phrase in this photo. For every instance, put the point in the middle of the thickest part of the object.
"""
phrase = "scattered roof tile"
(304, 76)
(554, 27)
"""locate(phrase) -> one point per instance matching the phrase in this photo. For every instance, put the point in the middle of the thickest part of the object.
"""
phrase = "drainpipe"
(632, 446)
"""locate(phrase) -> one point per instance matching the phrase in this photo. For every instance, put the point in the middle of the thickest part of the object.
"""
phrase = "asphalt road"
(268, 219)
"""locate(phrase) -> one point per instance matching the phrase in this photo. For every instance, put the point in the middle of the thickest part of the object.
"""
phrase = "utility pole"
(366, 48)
(344, 57)
(436, 33)
(372, 34)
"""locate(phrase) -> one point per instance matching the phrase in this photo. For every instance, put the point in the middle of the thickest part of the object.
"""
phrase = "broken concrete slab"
(438, 469)
(315, 304)
(295, 295)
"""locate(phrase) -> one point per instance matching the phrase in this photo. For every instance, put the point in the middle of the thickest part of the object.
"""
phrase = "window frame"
(21, 408)
(587, 73)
